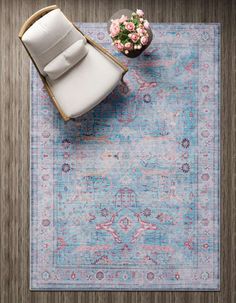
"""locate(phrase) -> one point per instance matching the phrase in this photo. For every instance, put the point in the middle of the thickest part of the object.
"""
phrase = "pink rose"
(134, 37)
(119, 46)
(123, 19)
(146, 24)
(130, 26)
(114, 29)
(128, 45)
(141, 31)
(139, 12)
(144, 40)
(115, 21)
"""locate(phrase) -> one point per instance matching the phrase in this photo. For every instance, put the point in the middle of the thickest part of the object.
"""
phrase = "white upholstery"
(66, 60)
(87, 80)
(49, 36)
(86, 84)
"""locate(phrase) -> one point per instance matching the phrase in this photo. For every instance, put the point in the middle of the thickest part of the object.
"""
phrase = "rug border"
(217, 288)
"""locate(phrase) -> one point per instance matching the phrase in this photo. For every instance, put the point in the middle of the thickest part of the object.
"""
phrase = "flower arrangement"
(130, 34)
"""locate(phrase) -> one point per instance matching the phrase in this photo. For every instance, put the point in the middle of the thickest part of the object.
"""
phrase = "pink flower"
(123, 19)
(144, 40)
(141, 31)
(115, 21)
(114, 29)
(130, 26)
(139, 12)
(134, 37)
(119, 46)
(128, 45)
(146, 24)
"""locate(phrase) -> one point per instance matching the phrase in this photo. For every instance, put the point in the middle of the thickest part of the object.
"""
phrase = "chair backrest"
(49, 36)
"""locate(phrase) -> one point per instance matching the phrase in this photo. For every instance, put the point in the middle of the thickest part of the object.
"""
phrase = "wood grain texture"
(14, 145)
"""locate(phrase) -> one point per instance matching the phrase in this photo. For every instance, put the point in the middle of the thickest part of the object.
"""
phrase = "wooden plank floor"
(14, 145)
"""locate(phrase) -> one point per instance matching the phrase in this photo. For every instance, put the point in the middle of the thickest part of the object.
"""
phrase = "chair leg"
(122, 78)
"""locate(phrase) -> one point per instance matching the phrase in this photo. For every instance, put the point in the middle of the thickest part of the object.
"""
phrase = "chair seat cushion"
(49, 36)
(66, 60)
(86, 84)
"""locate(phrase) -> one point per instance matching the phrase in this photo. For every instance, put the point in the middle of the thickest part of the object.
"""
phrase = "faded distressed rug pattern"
(127, 196)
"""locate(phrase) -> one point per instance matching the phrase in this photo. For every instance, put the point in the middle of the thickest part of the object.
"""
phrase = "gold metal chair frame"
(31, 21)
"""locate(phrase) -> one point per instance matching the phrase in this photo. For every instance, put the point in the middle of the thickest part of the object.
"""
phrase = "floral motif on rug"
(127, 196)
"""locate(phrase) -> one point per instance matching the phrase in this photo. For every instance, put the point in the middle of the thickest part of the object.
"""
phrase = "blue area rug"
(127, 196)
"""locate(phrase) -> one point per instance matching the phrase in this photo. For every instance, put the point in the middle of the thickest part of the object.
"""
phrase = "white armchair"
(77, 72)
